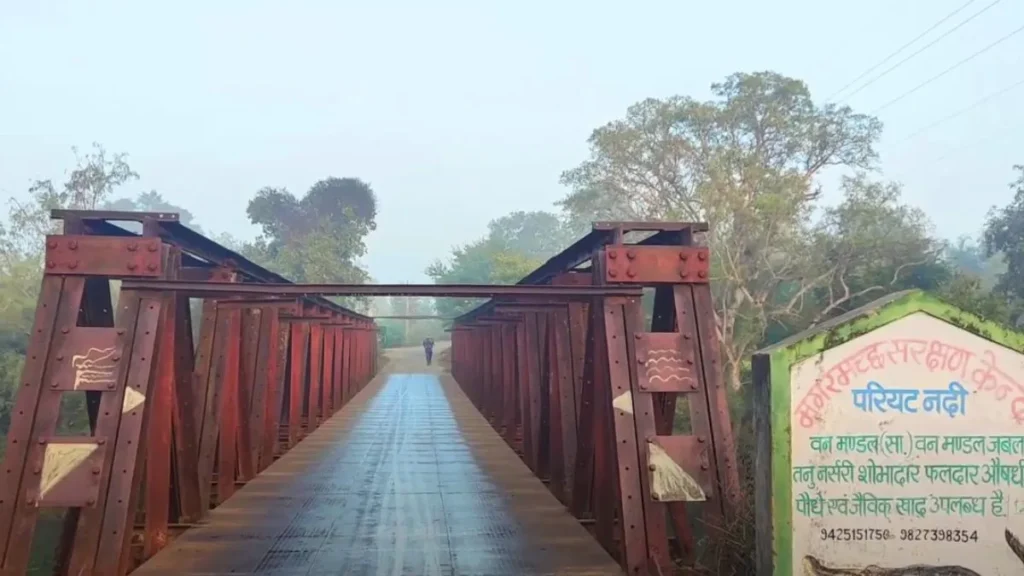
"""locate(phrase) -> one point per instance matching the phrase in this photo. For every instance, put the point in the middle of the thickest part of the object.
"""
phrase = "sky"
(460, 112)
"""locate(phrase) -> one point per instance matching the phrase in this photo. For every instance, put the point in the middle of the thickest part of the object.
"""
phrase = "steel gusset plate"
(679, 469)
(666, 362)
(68, 471)
(656, 264)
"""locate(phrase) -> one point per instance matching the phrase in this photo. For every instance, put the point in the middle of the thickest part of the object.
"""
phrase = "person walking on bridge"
(428, 349)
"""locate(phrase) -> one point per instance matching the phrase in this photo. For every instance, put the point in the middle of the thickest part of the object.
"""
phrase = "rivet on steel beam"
(702, 274)
(101, 441)
(702, 256)
(630, 272)
(152, 248)
(64, 330)
(683, 273)
(90, 501)
(132, 266)
(115, 357)
(701, 439)
(51, 244)
(73, 264)
(684, 256)
(95, 470)
(641, 361)
(703, 466)
(110, 385)
(30, 500)
(120, 331)
(151, 267)
(132, 247)
(54, 384)
(655, 497)
(51, 264)
(650, 440)
(631, 254)
(60, 357)
(637, 335)
(73, 245)
(689, 360)
(37, 470)
(42, 441)
(686, 335)
(652, 467)
(613, 273)
(613, 254)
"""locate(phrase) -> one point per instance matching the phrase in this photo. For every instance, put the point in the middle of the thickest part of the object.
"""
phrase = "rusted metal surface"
(443, 290)
(407, 479)
(103, 256)
(560, 370)
(596, 389)
(172, 429)
(656, 264)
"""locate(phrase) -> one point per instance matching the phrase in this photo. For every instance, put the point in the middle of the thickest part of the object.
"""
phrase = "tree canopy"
(514, 246)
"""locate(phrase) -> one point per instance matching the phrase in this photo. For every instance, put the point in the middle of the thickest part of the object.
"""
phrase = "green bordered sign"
(890, 441)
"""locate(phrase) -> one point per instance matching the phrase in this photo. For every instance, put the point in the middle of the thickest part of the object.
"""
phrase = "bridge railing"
(626, 420)
(174, 425)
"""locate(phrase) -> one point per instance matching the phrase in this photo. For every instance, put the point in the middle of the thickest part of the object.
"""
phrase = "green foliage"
(151, 201)
(748, 163)
(319, 238)
(514, 246)
(1004, 234)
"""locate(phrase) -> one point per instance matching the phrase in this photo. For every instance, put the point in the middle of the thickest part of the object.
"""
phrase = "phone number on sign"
(938, 535)
(904, 534)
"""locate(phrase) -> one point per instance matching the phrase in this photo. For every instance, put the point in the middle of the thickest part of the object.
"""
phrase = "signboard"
(891, 442)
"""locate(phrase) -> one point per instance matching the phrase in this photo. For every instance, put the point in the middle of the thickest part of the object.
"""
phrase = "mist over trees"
(750, 162)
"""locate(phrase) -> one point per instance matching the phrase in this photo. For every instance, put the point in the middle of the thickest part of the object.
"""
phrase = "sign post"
(890, 440)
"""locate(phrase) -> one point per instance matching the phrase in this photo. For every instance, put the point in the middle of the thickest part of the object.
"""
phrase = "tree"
(535, 235)
(1004, 234)
(153, 201)
(88, 186)
(318, 238)
(482, 262)
(748, 164)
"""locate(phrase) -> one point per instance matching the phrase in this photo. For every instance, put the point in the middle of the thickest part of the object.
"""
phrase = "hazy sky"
(459, 112)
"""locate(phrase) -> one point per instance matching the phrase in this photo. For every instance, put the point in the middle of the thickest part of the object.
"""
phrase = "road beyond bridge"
(573, 434)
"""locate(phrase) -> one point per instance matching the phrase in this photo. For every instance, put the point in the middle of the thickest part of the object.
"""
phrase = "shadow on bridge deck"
(408, 478)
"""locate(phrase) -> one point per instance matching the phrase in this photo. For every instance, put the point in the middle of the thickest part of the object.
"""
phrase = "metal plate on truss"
(87, 361)
(656, 264)
(666, 362)
(678, 468)
(104, 256)
(68, 470)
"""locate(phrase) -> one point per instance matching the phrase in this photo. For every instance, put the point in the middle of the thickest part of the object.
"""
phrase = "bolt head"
(613, 273)
(613, 254)
(702, 256)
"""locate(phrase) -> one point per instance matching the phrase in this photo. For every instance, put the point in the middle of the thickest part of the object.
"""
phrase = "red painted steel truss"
(175, 425)
(625, 420)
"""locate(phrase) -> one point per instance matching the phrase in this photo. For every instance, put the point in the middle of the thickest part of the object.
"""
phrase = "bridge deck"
(407, 479)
